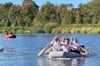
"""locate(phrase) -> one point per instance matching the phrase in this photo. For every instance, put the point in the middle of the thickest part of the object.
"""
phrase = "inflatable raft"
(9, 36)
(61, 54)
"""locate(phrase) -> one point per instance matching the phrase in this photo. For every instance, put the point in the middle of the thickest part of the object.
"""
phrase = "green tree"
(29, 11)
(61, 12)
(4, 10)
(13, 13)
(46, 14)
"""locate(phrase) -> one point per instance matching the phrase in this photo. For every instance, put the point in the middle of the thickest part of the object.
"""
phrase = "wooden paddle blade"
(41, 52)
(48, 50)
(84, 51)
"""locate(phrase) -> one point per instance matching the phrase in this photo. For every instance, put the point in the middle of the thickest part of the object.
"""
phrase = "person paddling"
(63, 40)
(54, 43)
(65, 47)
(76, 47)
(11, 34)
(75, 41)
(6, 33)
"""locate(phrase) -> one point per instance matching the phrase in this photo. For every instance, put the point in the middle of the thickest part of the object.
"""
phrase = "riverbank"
(16, 29)
(78, 28)
(73, 28)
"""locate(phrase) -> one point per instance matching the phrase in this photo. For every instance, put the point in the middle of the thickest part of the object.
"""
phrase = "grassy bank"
(75, 28)
(16, 29)
(78, 28)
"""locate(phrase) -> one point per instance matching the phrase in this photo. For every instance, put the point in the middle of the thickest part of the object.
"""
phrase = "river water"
(22, 51)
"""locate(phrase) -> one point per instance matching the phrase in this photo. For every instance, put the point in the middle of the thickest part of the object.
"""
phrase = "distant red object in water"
(9, 36)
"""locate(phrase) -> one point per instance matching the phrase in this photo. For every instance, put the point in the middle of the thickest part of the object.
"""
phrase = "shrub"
(49, 26)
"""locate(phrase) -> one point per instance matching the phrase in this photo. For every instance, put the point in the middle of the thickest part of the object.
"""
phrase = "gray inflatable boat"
(61, 54)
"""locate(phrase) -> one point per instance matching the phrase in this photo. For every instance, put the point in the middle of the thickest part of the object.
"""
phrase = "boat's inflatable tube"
(10, 36)
(61, 54)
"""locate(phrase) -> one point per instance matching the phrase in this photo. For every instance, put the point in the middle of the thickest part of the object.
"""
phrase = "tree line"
(48, 16)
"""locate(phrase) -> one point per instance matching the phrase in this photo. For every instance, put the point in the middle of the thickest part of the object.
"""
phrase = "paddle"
(84, 51)
(42, 51)
(47, 51)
